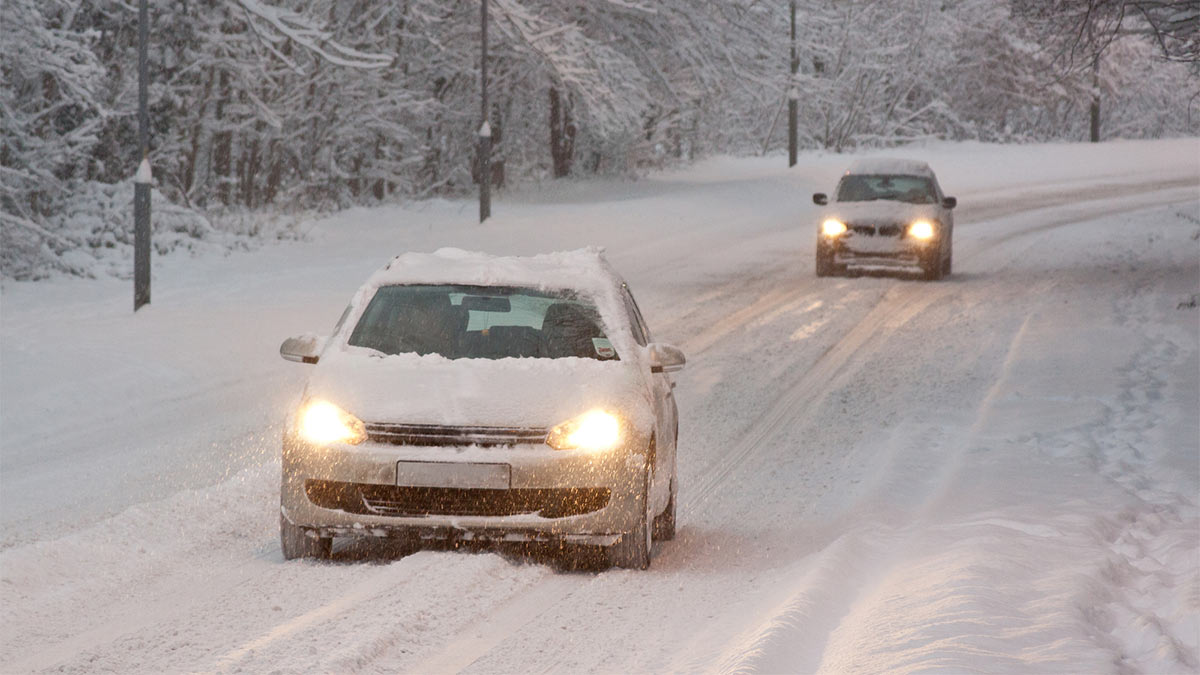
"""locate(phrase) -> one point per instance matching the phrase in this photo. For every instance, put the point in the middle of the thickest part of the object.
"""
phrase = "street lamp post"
(485, 129)
(793, 97)
(143, 179)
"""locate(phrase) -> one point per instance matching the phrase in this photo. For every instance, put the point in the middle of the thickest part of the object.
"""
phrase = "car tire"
(664, 523)
(633, 550)
(931, 268)
(825, 264)
(295, 542)
(948, 264)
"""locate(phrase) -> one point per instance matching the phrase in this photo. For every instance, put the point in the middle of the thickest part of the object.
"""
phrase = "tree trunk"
(248, 170)
(197, 161)
(275, 175)
(562, 135)
(1095, 126)
(222, 143)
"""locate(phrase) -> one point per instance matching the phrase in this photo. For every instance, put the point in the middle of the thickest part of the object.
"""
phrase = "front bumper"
(372, 490)
(882, 252)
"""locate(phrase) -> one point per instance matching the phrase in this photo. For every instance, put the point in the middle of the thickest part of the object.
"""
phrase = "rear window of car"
(900, 188)
(482, 322)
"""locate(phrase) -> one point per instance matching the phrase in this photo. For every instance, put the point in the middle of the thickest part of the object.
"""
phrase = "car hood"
(412, 389)
(880, 211)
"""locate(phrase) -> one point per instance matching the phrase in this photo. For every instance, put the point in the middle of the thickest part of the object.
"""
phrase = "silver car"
(888, 214)
(470, 397)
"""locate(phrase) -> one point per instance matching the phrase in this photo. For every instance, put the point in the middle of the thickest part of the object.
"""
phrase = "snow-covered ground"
(997, 472)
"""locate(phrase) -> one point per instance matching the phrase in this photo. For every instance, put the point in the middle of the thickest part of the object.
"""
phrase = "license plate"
(453, 475)
(875, 245)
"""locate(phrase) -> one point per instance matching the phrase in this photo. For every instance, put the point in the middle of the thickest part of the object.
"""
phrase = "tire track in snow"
(356, 595)
(1031, 198)
(897, 306)
(482, 636)
(165, 609)
(829, 583)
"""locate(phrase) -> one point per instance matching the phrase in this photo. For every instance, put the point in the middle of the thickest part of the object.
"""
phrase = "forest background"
(269, 106)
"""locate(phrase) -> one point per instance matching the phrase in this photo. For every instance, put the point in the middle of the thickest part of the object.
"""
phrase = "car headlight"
(922, 229)
(322, 422)
(595, 430)
(833, 227)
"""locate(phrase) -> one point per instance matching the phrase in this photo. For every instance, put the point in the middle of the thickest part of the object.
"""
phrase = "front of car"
(887, 215)
(472, 398)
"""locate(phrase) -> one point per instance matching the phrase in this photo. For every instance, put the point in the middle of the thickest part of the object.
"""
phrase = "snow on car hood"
(431, 389)
(880, 211)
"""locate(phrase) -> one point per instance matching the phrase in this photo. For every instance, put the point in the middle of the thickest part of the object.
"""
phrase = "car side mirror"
(665, 358)
(820, 199)
(303, 348)
(949, 202)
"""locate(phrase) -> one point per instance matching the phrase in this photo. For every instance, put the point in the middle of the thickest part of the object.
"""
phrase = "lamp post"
(143, 180)
(485, 129)
(793, 97)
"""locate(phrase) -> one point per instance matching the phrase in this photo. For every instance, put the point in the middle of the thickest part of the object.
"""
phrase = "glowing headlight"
(922, 229)
(595, 430)
(832, 227)
(322, 422)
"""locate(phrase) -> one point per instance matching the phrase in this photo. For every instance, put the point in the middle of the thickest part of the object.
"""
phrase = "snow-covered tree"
(333, 102)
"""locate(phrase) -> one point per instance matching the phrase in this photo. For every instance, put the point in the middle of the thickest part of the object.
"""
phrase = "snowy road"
(995, 472)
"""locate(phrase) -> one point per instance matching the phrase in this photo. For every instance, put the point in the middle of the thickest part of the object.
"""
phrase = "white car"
(888, 214)
(473, 397)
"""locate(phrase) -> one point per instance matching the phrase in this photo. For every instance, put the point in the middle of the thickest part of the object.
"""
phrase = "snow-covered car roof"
(890, 166)
(584, 270)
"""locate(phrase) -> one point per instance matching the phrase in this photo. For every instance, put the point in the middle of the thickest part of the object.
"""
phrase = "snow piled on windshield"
(890, 166)
(582, 270)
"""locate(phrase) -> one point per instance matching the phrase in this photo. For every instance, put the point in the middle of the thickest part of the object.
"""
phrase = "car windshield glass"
(866, 188)
(482, 322)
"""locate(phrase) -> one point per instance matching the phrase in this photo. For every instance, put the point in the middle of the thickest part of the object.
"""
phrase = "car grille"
(439, 435)
(392, 500)
(890, 230)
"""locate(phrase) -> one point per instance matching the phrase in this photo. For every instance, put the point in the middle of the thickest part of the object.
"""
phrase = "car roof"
(890, 166)
(584, 270)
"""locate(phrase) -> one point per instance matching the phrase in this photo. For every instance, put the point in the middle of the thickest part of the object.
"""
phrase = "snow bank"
(92, 234)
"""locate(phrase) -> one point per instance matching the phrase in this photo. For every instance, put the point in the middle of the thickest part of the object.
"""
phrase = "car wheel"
(825, 265)
(931, 268)
(633, 550)
(664, 523)
(296, 542)
(946, 266)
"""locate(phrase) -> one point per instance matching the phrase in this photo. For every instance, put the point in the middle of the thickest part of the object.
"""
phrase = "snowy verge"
(92, 234)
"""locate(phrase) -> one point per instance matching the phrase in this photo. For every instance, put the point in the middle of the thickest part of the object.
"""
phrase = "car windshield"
(482, 322)
(899, 188)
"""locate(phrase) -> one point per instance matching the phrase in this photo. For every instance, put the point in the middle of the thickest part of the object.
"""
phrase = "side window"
(640, 333)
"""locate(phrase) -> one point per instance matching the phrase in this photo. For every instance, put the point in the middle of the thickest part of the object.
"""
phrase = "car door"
(665, 410)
